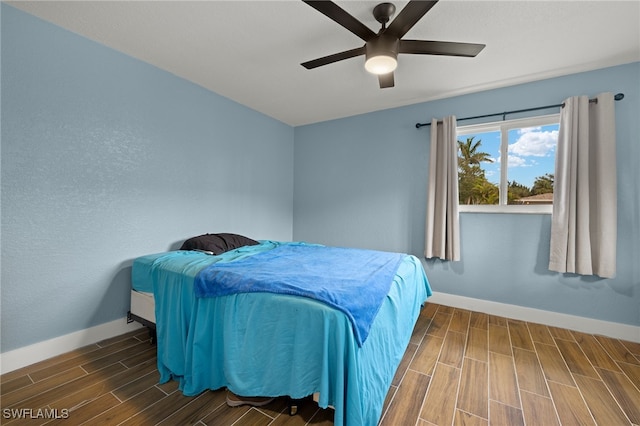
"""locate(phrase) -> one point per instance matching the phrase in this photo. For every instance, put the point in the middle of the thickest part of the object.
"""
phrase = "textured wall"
(105, 158)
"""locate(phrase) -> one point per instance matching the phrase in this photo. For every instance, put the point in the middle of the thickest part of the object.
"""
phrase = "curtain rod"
(617, 97)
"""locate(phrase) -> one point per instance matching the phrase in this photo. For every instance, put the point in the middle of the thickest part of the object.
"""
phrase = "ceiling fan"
(381, 50)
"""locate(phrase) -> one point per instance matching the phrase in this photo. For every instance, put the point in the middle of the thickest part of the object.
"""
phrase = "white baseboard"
(572, 322)
(21, 357)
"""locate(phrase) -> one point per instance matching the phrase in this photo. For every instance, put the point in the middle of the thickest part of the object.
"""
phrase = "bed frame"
(143, 311)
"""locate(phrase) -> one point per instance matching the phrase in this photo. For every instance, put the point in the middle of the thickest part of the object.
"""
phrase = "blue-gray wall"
(106, 158)
(361, 181)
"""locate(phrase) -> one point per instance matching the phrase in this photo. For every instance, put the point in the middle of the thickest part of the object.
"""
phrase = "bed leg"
(295, 404)
(153, 335)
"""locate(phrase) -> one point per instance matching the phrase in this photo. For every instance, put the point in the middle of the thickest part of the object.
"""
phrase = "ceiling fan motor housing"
(383, 45)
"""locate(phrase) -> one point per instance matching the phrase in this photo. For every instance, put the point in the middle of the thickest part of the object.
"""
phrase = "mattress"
(275, 344)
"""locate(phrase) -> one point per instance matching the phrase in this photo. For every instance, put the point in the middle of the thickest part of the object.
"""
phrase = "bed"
(259, 343)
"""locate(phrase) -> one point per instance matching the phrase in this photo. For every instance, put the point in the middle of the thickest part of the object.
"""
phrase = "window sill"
(509, 209)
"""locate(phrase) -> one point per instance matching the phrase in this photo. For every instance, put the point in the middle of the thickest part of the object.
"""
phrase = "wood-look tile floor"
(460, 368)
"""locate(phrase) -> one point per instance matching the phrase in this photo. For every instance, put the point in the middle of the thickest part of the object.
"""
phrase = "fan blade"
(333, 58)
(447, 48)
(386, 80)
(408, 16)
(342, 17)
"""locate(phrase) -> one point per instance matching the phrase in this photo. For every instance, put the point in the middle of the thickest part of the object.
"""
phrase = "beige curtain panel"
(442, 233)
(584, 220)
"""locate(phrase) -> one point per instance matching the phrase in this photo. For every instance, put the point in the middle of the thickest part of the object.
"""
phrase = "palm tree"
(469, 156)
(471, 178)
(486, 192)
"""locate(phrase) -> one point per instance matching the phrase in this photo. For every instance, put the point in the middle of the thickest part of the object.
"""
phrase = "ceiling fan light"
(382, 54)
(381, 64)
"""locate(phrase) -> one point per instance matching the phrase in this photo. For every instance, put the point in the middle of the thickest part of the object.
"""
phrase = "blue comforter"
(353, 281)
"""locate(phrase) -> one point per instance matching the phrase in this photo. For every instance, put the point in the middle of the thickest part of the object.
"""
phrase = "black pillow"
(217, 243)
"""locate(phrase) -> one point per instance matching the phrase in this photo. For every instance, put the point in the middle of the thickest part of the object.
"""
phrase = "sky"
(531, 153)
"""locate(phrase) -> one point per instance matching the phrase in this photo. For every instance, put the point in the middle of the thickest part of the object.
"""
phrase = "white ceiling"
(250, 51)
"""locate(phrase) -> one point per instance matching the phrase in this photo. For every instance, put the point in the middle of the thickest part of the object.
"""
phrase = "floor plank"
(440, 403)
(600, 402)
(499, 340)
(520, 337)
(529, 373)
(478, 344)
(439, 324)
(627, 395)
(576, 360)
(451, 353)
(540, 333)
(132, 407)
(195, 410)
(460, 321)
(503, 386)
(408, 356)
(19, 396)
(473, 395)
(427, 355)
(596, 354)
(632, 372)
(553, 365)
(501, 414)
(89, 410)
(408, 399)
(617, 350)
(467, 419)
(570, 405)
(538, 410)
(479, 320)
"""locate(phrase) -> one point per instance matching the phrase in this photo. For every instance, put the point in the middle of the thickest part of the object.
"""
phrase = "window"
(526, 183)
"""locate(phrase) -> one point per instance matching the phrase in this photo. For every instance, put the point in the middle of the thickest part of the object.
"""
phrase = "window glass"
(531, 164)
(527, 177)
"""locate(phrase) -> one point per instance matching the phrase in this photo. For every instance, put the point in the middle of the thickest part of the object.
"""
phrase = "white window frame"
(503, 127)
